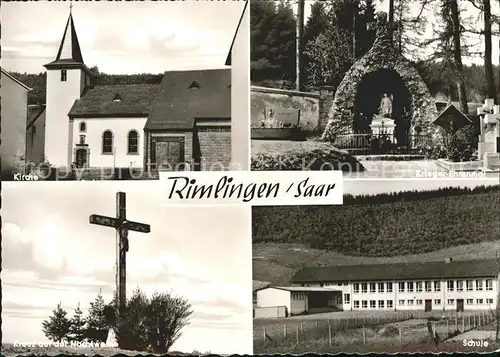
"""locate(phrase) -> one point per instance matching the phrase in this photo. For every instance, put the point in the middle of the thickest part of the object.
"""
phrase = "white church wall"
(120, 127)
(14, 98)
(60, 98)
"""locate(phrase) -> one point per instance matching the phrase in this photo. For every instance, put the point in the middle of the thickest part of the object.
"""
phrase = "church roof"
(228, 58)
(70, 47)
(188, 95)
(69, 54)
(100, 101)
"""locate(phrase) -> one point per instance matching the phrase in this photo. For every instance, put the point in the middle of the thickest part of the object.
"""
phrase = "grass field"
(360, 332)
(276, 263)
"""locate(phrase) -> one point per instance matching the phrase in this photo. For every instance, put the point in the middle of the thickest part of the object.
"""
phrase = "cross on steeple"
(70, 6)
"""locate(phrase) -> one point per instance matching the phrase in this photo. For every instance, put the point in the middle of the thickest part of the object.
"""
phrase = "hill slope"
(276, 263)
(407, 223)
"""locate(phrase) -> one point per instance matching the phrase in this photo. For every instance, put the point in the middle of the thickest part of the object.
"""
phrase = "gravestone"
(489, 140)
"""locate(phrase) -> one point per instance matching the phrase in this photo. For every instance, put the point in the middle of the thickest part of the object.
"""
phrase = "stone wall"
(215, 147)
(313, 107)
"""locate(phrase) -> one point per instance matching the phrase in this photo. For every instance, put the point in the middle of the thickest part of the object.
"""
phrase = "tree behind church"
(57, 327)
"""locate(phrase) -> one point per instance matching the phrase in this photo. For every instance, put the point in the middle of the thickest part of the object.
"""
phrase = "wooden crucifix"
(122, 227)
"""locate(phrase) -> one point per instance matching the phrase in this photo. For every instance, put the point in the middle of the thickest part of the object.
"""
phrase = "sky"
(373, 187)
(467, 11)
(125, 37)
(52, 254)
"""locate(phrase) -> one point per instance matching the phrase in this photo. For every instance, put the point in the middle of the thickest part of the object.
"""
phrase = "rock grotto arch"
(382, 59)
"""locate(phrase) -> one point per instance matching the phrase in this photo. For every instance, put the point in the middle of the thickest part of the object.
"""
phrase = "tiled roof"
(302, 289)
(176, 105)
(399, 271)
(136, 100)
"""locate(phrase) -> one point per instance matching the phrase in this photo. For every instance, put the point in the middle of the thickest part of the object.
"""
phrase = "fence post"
(284, 330)
(297, 334)
(364, 336)
(474, 320)
(456, 323)
(447, 327)
(301, 328)
(463, 323)
(330, 334)
(400, 335)
(264, 333)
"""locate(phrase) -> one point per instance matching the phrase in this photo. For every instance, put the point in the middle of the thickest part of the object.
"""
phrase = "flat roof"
(301, 288)
(399, 271)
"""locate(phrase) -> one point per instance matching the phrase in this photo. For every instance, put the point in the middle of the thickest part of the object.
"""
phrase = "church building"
(183, 123)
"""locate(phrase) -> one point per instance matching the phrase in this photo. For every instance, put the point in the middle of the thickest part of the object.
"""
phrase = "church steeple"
(70, 47)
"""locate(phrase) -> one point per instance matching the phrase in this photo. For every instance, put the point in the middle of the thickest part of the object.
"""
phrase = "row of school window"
(373, 304)
(428, 286)
(383, 304)
(108, 139)
(450, 302)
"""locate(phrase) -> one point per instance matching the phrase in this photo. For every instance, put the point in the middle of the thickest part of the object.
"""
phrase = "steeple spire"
(70, 47)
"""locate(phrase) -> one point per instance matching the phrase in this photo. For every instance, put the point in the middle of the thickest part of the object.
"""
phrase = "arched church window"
(133, 142)
(64, 75)
(107, 142)
(83, 127)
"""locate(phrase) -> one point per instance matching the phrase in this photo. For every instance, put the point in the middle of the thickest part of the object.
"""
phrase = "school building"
(427, 286)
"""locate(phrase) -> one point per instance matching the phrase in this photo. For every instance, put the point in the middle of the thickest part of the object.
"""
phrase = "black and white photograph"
(106, 268)
(123, 90)
(402, 266)
(377, 89)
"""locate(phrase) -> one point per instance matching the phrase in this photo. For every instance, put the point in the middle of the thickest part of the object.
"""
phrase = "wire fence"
(401, 328)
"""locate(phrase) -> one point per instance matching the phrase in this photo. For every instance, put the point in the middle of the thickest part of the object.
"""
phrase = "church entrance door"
(81, 158)
(169, 153)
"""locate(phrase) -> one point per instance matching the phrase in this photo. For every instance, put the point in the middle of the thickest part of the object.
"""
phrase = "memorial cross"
(122, 227)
